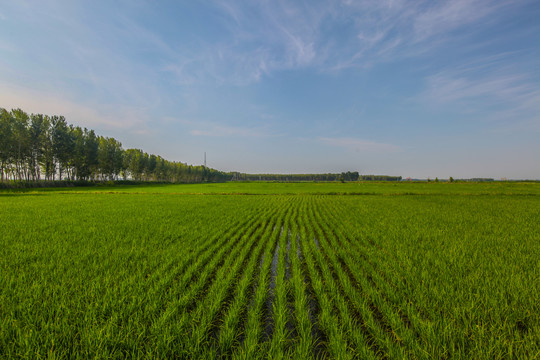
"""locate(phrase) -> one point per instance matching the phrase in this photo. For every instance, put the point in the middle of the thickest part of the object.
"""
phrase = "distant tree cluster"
(379, 178)
(345, 176)
(40, 147)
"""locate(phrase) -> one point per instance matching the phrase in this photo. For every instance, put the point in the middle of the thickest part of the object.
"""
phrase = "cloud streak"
(228, 131)
(264, 37)
(360, 145)
(211, 129)
(496, 93)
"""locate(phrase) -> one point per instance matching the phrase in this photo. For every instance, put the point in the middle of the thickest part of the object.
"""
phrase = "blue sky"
(411, 88)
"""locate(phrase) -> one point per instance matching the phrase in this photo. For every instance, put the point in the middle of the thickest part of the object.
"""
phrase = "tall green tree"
(91, 145)
(63, 144)
(38, 137)
(110, 158)
(6, 143)
(36, 145)
(48, 162)
(21, 136)
(78, 158)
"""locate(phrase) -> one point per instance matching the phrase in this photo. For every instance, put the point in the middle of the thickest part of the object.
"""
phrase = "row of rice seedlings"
(269, 320)
(254, 325)
(107, 300)
(334, 318)
(461, 332)
(369, 280)
(174, 322)
(230, 333)
(212, 302)
(205, 319)
(304, 346)
(151, 302)
(278, 330)
(458, 330)
(33, 298)
(52, 298)
(320, 338)
(192, 294)
(163, 281)
(375, 265)
(204, 248)
(479, 271)
(232, 281)
(123, 322)
(383, 262)
(288, 275)
(196, 277)
(378, 317)
(359, 341)
(221, 244)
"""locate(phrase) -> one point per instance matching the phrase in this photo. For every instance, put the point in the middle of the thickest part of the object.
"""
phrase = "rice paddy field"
(272, 270)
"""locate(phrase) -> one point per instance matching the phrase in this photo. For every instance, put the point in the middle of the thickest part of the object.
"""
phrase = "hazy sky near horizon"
(410, 88)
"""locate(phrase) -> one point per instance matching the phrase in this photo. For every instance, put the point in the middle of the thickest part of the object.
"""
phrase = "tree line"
(344, 176)
(41, 147)
(379, 178)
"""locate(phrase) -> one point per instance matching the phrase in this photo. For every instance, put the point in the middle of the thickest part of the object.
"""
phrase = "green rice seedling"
(377, 320)
(328, 321)
(207, 303)
(417, 249)
(304, 344)
(216, 300)
(391, 302)
(280, 311)
(395, 270)
(352, 332)
(219, 243)
(360, 188)
(230, 330)
(253, 330)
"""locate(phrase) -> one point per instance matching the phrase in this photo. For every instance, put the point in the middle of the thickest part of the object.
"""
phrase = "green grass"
(438, 271)
(294, 188)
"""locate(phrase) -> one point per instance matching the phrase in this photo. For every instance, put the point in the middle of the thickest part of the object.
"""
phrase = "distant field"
(450, 272)
(271, 188)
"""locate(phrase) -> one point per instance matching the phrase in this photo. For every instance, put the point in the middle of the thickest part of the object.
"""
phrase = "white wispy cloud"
(228, 131)
(259, 38)
(498, 94)
(212, 129)
(360, 145)
(446, 16)
(267, 36)
(450, 87)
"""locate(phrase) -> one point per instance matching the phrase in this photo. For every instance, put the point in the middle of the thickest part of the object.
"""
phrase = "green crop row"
(282, 276)
(510, 188)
